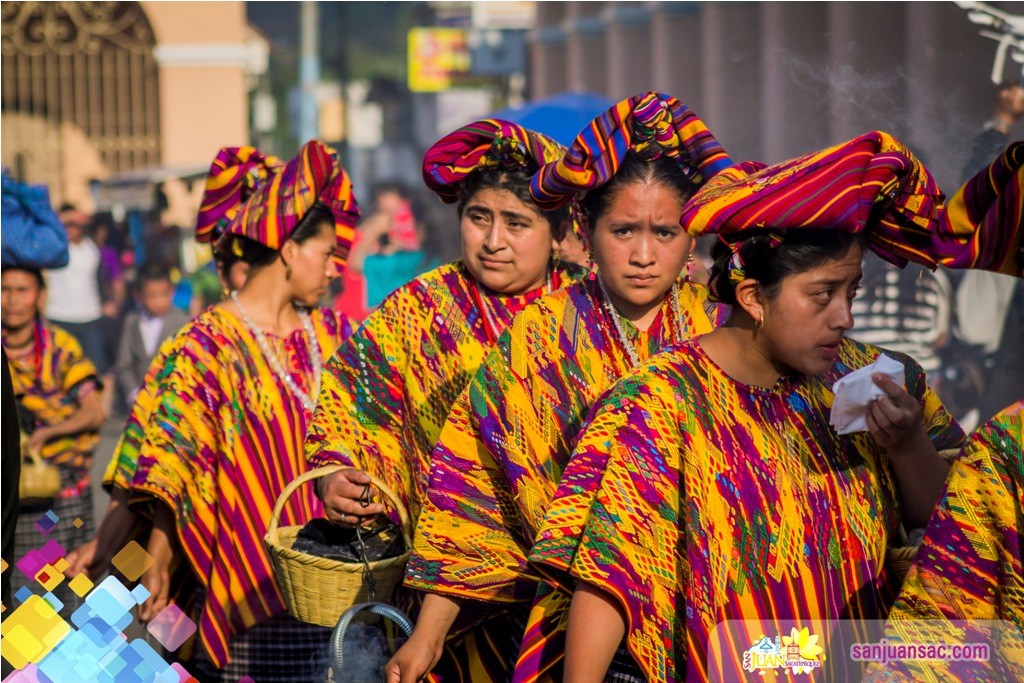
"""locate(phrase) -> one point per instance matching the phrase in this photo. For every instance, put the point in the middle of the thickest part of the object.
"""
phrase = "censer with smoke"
(358, 650)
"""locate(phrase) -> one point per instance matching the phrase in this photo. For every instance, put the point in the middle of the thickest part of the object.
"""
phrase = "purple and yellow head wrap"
(489, 143)
(652, 124)
(871, 184)
(257, 197)
(982, 225)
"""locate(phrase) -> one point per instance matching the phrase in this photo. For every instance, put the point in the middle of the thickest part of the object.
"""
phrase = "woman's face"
(20, 298)
(506, 243)
(639, 247)
(804, 324)
(312, 266)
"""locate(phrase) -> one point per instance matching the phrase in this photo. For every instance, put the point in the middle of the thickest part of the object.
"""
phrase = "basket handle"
(35, 455)
(319, 472)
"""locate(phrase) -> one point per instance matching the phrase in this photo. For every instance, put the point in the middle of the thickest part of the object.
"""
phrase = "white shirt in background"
(73, 292)
(150, 328)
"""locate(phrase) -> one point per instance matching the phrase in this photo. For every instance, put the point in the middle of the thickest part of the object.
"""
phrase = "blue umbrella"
(560, 117)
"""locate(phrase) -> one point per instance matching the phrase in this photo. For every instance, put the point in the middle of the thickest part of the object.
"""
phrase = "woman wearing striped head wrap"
(967, 581)
(235, 174)
(708, 484)
(56, 385)
(388, 391)
(219, 433)
(506, 441)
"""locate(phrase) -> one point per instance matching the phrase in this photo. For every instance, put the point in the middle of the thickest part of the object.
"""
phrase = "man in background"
(989, 306)
(74, 302)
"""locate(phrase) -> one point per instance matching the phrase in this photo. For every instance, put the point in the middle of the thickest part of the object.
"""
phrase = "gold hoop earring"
(760, 322)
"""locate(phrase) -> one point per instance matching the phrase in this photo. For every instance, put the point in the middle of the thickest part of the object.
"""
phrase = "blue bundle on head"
(31, 233)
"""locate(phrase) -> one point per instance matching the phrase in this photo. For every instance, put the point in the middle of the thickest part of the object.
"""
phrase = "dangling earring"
(592, 274)
(691, 267)
(760, 322)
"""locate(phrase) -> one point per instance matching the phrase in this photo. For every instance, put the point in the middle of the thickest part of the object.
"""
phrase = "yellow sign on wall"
(437, 57)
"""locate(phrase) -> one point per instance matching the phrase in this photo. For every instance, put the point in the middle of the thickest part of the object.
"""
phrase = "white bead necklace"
(634, 358)
(275, 363)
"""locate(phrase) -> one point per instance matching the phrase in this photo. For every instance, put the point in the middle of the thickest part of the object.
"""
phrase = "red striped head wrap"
(274, 198)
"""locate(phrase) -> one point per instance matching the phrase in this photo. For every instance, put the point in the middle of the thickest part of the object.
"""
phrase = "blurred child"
(146, 328)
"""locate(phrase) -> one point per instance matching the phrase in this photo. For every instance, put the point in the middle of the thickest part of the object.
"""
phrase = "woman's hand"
(157, 581)
(896, 422)
(419, 655)
(414, 660)
(895, 419)
(163, 547)
(82, 559)
(345, 495)
(38, 439)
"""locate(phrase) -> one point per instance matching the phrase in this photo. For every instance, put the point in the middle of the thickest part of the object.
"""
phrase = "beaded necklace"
(606, 302)
(275, 363)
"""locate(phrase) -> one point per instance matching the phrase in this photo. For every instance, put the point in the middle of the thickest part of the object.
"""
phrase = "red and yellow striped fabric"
(48, 383)
(982, 225)
(871, 184)
(255, 196)
(218, 439)
(484, 144)
(652, 124)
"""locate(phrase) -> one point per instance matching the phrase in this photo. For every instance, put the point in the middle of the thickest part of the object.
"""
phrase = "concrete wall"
(201, 53)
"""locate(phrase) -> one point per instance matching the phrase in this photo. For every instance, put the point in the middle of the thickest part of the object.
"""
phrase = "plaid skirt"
(36, 527)
(279, 650)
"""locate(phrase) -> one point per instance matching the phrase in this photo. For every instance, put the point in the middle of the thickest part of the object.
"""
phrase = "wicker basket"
(899, 561)
(318, 590)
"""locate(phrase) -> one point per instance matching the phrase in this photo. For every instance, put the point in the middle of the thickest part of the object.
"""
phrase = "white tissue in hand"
(854, 391)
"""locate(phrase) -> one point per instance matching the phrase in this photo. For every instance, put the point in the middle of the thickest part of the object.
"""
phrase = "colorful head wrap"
(982, 225)
(33, 236)
(871, 184)
(489, 143)
(653, 124)
(235, 174)
(280, 196)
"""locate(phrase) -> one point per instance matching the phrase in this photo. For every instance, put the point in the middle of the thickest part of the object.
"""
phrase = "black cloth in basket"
(323, 538)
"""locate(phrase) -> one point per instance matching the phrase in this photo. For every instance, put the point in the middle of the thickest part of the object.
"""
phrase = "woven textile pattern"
(256, 197)
(234, 175)
(507, 439)
(49, 384)
(982, 225)
(491, 143)
(871, 184)
(386, 394)
(218, 436)
(692, 499)
(651, 120)
(969, 565)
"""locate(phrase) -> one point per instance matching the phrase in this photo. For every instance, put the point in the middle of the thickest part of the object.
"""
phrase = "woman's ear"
(288, 252)
(750, 298)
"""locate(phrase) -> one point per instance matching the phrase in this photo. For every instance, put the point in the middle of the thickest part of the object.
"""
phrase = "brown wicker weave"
(318, 590)
(900, 559)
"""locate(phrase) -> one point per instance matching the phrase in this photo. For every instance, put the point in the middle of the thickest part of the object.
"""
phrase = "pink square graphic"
(31, 563)
(172, 627)
(52, 551)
